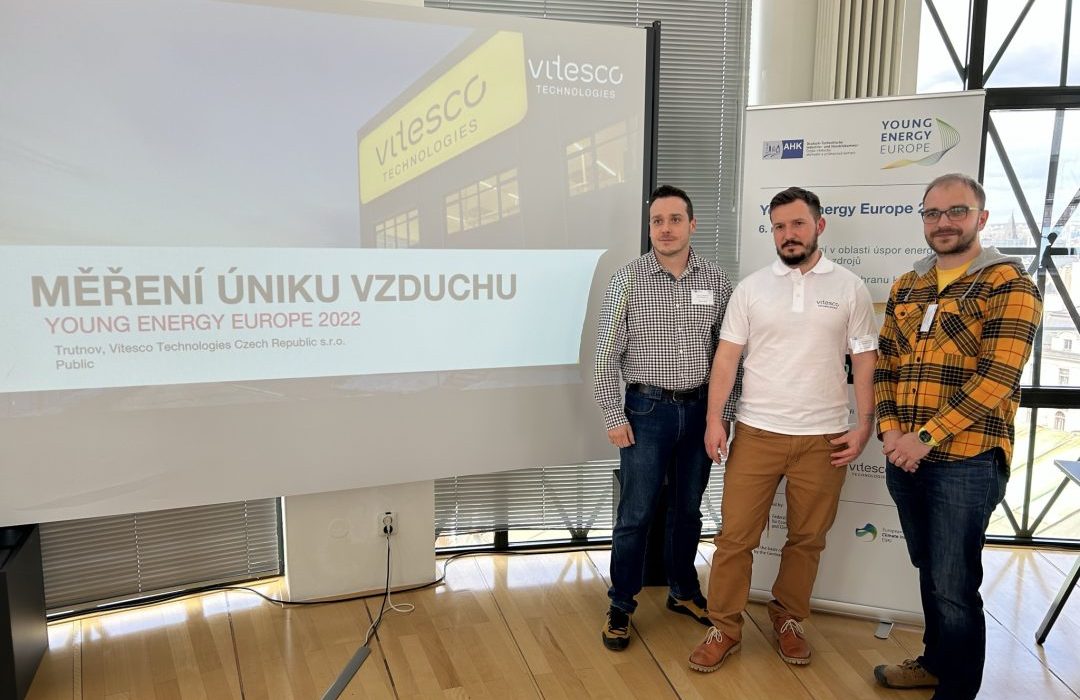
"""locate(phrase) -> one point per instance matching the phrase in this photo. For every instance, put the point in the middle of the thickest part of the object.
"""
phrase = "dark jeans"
(669, 443)
(944, 509)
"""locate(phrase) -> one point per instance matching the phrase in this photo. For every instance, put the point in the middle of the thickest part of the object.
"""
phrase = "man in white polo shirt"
(793, 321)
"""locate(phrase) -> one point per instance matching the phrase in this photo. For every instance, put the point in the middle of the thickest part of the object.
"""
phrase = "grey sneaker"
(909, 674)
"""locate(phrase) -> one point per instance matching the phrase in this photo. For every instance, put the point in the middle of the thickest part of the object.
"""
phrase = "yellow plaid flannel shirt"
(961, 377)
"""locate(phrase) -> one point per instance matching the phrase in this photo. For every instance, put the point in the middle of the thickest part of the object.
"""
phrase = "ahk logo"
(867, 532)
(793, 148)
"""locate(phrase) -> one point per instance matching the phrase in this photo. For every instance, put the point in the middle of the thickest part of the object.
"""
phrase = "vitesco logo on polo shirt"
(826, 304)
(867, 532)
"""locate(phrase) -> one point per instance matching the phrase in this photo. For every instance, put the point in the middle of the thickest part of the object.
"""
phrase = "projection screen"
(251, 250)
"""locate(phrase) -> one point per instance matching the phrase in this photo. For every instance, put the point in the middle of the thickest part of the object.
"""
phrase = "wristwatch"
(926, 438)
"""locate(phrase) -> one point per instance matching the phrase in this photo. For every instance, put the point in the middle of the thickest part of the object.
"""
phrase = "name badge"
(928, 318)
(864, 343)
(701, 297)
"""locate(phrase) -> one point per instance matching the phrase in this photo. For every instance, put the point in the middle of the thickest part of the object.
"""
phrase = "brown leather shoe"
(792, 639)
(717, 646)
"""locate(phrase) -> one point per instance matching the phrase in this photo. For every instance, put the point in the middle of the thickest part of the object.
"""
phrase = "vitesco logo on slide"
(867, 532)
(476, 99)
(562, 77)
(787, 148)
(929, 138)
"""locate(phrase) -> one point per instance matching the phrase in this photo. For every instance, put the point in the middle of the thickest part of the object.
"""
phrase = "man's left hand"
(853, 442)
(907, 451)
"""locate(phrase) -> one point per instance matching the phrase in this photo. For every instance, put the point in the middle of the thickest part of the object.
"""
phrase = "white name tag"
(701, 297)
(928, 318)
(864, 343)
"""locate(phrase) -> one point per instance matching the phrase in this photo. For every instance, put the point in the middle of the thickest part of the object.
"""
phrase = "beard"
(793, 259)
(960, 243)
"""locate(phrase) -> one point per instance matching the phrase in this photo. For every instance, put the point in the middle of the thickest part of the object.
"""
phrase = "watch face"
(925, 437)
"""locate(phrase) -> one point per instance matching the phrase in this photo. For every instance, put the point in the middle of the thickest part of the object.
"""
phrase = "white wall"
(782, 38)
(333, 545)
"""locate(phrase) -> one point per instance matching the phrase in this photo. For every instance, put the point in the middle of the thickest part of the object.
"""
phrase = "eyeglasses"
(957, 213)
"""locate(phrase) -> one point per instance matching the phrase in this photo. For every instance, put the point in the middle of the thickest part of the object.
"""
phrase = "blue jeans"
(669, 443)
(944, 509)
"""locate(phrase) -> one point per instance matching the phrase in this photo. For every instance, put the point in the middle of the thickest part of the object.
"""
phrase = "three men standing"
(944, 375)
(958, 330)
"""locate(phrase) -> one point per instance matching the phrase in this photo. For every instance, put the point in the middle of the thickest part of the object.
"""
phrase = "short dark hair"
(671, 191)
(797, 194)
(958, 179)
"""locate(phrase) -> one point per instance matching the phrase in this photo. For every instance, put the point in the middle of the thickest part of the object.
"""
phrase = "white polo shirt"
(797, 329)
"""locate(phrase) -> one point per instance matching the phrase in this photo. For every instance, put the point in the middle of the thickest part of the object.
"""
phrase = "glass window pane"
(508, 195)
(414, 228)
(453, 217)
(1068, 170)
(610, 157)
(1026, 136)
(489, 203)
(1033, 57)
(937, 73)
(470, 211)
(1057, 436)
(1074, 48)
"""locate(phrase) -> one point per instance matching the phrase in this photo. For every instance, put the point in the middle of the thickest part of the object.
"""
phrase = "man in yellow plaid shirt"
(958, 331)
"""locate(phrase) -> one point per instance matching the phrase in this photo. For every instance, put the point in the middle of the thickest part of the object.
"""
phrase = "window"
(1028, 60)
(401, 231)
(128, 556)
(597, 161)
(481, 203)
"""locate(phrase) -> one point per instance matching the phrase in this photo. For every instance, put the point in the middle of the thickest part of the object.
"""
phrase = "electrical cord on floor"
(342, 681)
(168, 597)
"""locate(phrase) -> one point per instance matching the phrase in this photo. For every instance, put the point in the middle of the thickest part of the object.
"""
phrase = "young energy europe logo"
(930, 138)
(867, 532)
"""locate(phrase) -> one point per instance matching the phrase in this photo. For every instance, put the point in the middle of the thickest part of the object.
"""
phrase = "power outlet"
(387, 523)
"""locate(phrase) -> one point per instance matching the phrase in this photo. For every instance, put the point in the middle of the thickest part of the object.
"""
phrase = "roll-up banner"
(869, 161)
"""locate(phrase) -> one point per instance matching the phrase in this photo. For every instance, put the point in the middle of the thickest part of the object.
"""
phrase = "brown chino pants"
(758, 460)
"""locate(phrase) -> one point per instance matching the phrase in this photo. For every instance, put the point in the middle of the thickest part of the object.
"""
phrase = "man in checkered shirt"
(958, 331)
(658, 328)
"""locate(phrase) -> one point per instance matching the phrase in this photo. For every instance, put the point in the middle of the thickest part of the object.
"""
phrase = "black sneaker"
(616, 632)
(695, 607)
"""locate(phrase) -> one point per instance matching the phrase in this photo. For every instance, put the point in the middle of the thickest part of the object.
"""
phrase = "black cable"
(364, 650)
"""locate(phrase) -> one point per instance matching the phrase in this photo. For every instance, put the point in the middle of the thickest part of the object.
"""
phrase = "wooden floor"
(529, 627)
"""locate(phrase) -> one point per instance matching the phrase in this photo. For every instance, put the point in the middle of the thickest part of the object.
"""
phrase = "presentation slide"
(262, 249)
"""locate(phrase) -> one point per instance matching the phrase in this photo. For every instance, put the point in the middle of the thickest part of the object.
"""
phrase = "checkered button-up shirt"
(659, 330)
(956, 367)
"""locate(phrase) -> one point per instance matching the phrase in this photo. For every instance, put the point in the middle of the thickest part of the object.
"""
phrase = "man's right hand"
(716, 439)
(621, 435)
